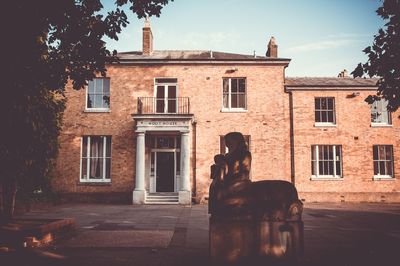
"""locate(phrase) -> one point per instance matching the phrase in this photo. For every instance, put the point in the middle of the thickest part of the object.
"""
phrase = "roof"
(330, 82)
(192, 55)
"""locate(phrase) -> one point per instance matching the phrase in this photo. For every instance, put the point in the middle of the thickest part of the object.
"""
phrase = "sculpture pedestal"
(236, 239)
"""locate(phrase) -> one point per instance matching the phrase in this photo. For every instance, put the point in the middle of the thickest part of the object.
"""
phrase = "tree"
(384, 56)
(48, 44)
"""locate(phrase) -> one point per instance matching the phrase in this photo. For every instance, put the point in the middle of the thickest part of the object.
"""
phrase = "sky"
(321, 37)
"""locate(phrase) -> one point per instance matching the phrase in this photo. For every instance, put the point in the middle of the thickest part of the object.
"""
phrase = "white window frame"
(229, 108)
(379, 176)
(165, 85)
(326, 124)
(335, 176)
(96, 109)
(379, 104)
(88, 157)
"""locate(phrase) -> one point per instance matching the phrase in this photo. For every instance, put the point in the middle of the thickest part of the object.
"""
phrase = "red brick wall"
(352, 121)
(266, 121)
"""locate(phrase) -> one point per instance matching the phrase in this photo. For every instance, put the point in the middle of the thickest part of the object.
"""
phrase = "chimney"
(343, 74)
(147, 38)
(272, 48)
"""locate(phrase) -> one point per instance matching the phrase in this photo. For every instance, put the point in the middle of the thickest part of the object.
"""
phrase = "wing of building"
(149, 131)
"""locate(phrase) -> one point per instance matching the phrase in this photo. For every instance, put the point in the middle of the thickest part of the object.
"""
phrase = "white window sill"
(382, 177)
(233, 110)
(318, 124)
(381, 125)
(97, 110)
(325, 178)
(95, 181)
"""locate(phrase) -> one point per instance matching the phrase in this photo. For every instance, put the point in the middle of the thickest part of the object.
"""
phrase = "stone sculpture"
(251, 219)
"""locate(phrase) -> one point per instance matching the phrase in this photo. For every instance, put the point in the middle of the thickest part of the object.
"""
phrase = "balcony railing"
(153, 105)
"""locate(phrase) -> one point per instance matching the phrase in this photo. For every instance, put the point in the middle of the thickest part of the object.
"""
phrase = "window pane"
(326, 168)
(242, 85)
(242, 100)
(84, 146)
(389, 168)
(96, 146)
(234, 85)
(89, 101)
(91, 86)
(376, 168)
(321, 167)
(321, 152)
(160, 92)
(96, 168)
(330, 168)
(108, 168)
(314, 168)
(338, 168)
(106, 101)
(375, 151)
(313, 153)
(225, 100)
(388, 152)
(374, 117)
(225, 85)
(98, 85)
(330, 102)
(172, 105)
(323, 104)
(98, 101)
(382, 169)
(178, 142)
(338, 152)
(106, 86)
(234, 101)
(171, 91)
(330, 152)
(84, 168)
(330, 116)
(317, 103)
(108, 146)
(381, 152)
(317, 116)
(324, 117)
(160, 103)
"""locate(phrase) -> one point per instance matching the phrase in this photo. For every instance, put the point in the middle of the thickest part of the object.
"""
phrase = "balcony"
(153, 105)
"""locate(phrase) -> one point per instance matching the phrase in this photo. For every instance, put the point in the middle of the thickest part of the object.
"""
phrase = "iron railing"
(153, 105)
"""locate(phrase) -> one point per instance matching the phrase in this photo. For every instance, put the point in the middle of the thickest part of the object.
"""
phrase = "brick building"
(149, 131)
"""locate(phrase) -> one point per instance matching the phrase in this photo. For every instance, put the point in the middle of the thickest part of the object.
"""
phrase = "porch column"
(185, 190)
(139, 192)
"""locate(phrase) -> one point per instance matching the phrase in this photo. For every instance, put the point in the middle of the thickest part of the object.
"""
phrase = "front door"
(165, 172)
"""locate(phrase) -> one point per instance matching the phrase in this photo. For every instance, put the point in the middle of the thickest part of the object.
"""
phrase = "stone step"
(162, 203)
(163, 194)
(162, 198)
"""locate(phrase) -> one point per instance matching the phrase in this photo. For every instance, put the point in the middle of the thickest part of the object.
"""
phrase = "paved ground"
(335, 234)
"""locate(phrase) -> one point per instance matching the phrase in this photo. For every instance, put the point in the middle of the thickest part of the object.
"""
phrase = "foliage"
(47, 43)
(384, 56)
